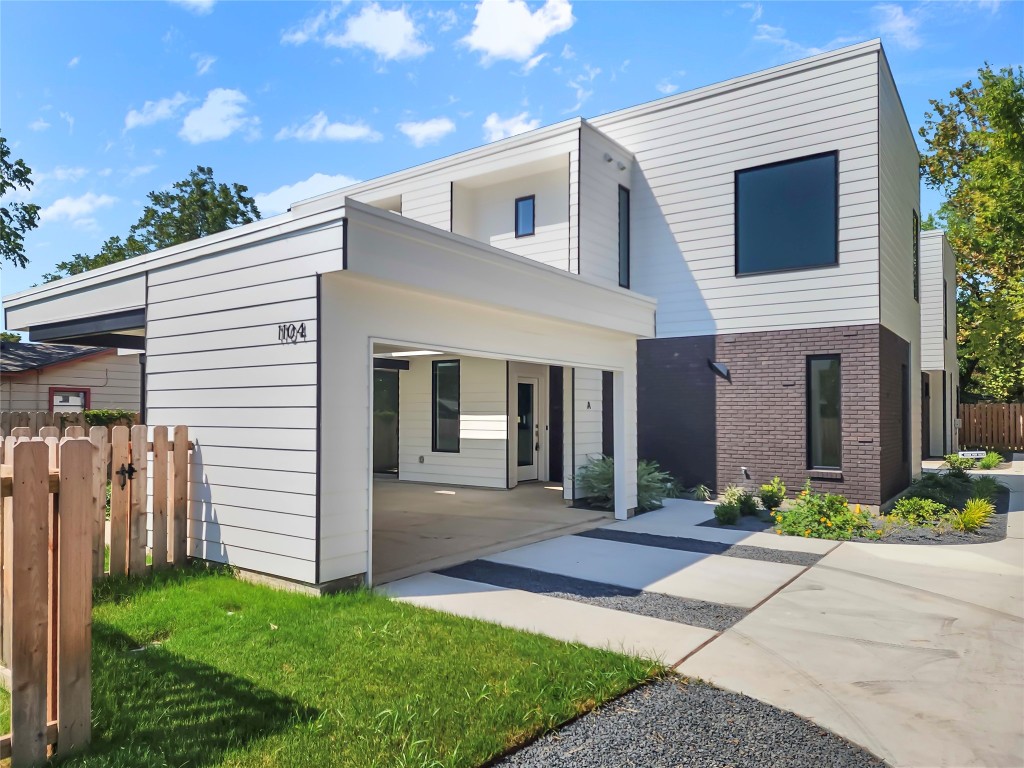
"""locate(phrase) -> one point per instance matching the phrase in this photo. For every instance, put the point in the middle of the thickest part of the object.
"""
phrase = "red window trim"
(86, 390)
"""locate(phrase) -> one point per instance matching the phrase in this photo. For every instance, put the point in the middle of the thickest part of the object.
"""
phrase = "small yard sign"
(972, 454)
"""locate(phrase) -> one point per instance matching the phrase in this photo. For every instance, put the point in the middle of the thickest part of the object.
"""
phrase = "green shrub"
(991, 460)
(943, 488)
(727, 513)
(698, 492)
(743, 499)
(958, 465)
(597, 481)
(823, 516)
(986, 487)
(973, 516)
(103, 418)
(919, 511)
(773, 493)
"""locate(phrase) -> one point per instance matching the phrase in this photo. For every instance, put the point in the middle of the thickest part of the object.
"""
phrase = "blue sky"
(107, 101)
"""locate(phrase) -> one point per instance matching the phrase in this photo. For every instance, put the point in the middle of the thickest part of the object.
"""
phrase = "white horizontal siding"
(938, 350)
(215, 363)
(431, 205)
(587, 413)
(483, 430)
(599, 205)
(682, 191)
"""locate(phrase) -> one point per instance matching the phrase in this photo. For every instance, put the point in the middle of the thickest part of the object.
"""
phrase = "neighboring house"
(940, 374)
(729, 272)
(64, 377)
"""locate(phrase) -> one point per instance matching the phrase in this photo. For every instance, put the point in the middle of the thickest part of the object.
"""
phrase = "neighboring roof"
(17, 356)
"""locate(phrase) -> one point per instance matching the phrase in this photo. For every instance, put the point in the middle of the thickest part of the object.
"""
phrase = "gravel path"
(705, 547)
(697, 613)
(677, 724)
(994, 531)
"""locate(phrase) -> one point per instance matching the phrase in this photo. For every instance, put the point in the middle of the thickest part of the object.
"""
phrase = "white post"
(568, 436)
(624, 466)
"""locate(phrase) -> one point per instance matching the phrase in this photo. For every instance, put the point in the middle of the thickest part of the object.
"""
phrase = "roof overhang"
(125, 330)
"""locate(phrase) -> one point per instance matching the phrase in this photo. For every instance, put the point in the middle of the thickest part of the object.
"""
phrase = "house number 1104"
(290, 333)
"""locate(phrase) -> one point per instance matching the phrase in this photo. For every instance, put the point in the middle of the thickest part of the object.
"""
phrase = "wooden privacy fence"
(992, 426)
(52, 544)
(35, 420)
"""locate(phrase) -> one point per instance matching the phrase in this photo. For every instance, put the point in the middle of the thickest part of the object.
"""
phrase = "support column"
(568, 435)
(624, 442)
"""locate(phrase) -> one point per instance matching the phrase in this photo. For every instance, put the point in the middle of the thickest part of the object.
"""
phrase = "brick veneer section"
(894, 471)
(703, 428)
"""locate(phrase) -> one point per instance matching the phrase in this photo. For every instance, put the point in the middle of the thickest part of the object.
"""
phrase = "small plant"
(597, 481)
(773, 493)
(991, 460)
(743, 499)
(986, 487)
(823, 516)
(943, 488)
(958, 465)
(727, 513)
(106, 417)
(973, 516)
(698, 492)
(918, 511)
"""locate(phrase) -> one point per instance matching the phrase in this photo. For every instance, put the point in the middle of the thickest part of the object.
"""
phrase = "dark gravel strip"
(696, 613)
(994, 531)
(674, 723)
(745, 551)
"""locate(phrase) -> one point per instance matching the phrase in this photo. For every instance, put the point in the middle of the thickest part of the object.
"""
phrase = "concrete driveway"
(914, 652)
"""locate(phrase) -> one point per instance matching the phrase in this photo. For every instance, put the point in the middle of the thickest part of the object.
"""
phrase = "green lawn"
(196, 669)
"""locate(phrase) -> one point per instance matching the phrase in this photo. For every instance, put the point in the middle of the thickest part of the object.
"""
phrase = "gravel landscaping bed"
(705, 547)
(697, 613)
(994, 531)
(674, 723)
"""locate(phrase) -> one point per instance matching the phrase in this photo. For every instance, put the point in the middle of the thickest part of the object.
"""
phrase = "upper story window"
(917, 257)
(787, 215)
(525, 214)
(945, 311)
(623, 237)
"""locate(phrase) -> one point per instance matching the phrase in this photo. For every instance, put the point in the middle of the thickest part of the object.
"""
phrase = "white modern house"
(723, 278)
(940, 374)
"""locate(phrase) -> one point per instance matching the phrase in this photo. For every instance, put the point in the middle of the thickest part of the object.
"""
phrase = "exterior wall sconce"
(720, 369)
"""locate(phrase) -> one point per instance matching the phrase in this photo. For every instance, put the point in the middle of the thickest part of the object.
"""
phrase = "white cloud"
(319, 128)
(198, 7)
(75, 209)
(766, 33)
(105, 172)
(580, 84)
(446, 19)
(280, 199)
(155, 111)
(427, 131)
(310, 28)
(203, 62)
(391, 35)
(67, 118)
(73, 63)
(756, 10)
(529, 65)
(38, 125)
(222, 114)
(63, 173)
(496, 128)
(894, 24)
(507, 29)
(568, 53)
(139, 170)
(665, 87)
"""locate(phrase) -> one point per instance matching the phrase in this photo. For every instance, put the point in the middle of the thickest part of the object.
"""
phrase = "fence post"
(31, 492)
(119, 501)
(137, 532)
(53, 456)
(181, 492)
(8, 605)
(74, 643)
(98, 436)
(160, 458)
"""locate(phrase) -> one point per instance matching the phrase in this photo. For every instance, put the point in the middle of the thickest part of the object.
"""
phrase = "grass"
(195, 668)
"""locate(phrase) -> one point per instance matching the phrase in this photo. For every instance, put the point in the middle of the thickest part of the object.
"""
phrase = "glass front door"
(385, 422)
(528, 442)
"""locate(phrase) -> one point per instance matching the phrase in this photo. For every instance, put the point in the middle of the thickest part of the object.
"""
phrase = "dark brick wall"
(894, 466)
(762, 411)
(676, 406)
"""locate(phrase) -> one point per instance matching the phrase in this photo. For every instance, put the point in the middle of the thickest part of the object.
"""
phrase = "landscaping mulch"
(676, 722)
(697, 613)
(994, 531)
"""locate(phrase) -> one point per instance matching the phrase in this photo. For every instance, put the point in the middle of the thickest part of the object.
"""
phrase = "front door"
(385, 422)
(527, 431)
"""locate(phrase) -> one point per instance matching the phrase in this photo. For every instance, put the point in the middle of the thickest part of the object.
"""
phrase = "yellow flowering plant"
(823, 516)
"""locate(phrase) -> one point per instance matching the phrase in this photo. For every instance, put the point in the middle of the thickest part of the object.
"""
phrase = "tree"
(975, 157)
(16, 218)
(10, 336)
(192, 208)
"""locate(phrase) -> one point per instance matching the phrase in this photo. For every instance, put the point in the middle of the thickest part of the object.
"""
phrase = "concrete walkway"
(914, 652)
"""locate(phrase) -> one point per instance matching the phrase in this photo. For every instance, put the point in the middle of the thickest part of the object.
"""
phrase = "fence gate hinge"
(126, 474)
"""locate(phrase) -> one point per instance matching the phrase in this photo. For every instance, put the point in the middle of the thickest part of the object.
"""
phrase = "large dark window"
(623, 237)
(525, 216)
(445, 427)
(824, 412)
(787, 215)
(917, 257)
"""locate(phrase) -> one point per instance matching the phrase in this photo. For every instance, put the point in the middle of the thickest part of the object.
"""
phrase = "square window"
(525, 216)
(787, 215)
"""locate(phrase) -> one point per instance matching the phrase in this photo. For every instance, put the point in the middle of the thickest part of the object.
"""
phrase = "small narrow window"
(824, 412)
(446, 405)
(623, 237)
(525, 216)
(945, 310)
(917, 257)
